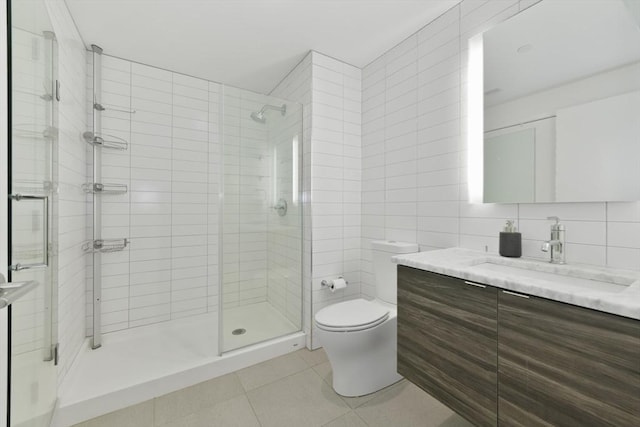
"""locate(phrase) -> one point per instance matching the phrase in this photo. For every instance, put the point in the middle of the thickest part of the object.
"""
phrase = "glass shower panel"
(284, 245)
(261, 218)
(33, 213)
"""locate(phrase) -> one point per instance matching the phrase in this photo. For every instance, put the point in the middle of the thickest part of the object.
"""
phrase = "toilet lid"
(351, 315)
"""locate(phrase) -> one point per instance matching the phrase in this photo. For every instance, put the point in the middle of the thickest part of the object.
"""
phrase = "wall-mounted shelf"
(106, 245)
(100, 188)
(105, 141)
(101, 107)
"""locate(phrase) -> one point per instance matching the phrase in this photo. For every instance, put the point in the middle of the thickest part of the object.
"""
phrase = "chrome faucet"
(556, 244)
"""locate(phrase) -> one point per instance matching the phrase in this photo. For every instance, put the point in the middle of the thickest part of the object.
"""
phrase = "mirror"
(562, 104)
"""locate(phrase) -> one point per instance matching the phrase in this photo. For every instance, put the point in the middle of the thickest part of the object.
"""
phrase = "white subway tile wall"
(330, 91)
(247, 191)
(189, 196)
(414, 157)
(170, 213)
(213, 195)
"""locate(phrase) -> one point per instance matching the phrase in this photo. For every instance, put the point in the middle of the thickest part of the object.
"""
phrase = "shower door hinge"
(53, 354)
(58, 90)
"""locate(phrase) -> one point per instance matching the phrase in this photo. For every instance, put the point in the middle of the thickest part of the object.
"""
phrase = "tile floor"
(289, 391)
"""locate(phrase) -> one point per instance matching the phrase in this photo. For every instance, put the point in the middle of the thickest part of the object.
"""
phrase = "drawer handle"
(515, 294)
(475, 284)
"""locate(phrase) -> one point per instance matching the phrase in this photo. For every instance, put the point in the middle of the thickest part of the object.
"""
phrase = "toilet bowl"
(360, 336)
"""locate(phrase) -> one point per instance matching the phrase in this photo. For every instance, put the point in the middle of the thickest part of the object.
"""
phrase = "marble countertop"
(606, 289)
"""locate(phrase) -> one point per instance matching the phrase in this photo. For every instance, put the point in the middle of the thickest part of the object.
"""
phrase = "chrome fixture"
(105, 188)
(44, 263)
(105, 245)
(281, 207)
(329, 283)
(556, 243)
(98, 246)
(105, 141)
(101, 107)
(94, 138)
(259, 117)
(10, 292)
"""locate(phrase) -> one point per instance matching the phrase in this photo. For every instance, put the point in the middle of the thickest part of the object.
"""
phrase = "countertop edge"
(459, 263)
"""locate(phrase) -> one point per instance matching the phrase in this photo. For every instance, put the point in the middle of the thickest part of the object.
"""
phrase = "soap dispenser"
(510, 241)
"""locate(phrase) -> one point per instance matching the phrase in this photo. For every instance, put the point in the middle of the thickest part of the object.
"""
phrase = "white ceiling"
(579, 39)
(250, 44)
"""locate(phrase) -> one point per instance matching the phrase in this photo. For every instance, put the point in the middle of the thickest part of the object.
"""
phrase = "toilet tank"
(384, 270)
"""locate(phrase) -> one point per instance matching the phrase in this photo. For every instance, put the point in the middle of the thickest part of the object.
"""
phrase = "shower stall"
(195, 214)
(194, 205)
(181, 213)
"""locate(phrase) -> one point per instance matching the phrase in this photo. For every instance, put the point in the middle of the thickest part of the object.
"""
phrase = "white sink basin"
(608, 285)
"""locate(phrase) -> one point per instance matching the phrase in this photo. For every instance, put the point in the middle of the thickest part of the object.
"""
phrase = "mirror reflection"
(561, 106)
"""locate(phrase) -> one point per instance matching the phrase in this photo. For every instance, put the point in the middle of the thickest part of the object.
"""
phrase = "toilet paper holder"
(329, 283)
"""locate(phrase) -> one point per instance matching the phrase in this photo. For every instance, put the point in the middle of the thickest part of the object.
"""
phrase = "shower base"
(138, 364)
(260, 322)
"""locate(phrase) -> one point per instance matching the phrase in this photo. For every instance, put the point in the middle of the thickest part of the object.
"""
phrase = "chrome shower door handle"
(45, 232)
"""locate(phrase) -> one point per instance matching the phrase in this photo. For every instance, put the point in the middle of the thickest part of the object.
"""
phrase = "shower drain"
(238, 331)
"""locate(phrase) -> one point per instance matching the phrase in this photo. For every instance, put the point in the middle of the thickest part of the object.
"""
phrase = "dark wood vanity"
(500, 358)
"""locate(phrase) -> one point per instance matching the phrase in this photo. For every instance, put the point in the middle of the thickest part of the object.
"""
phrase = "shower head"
(259, 116)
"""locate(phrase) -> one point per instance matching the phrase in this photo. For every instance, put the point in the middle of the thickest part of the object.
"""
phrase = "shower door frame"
(4, 205)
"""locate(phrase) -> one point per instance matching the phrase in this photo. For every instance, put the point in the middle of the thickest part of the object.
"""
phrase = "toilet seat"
(354, 315)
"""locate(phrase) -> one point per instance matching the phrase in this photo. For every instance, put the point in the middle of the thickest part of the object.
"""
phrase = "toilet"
(360, 336)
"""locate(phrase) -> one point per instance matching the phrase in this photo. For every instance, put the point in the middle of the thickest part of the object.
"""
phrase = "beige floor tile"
(455, 420)
(356, 402)
(140, 415)
(350, 419)
(177, 405)
(405, 405)
(302, 399)
(324, 370)
(272, 370)
(314, 357)
(235, 412)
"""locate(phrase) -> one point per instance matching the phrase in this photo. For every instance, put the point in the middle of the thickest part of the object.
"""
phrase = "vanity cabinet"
(563, 365)
(503, 358)
(447, 341)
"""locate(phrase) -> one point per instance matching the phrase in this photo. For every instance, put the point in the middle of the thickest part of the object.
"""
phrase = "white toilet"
(360, 336)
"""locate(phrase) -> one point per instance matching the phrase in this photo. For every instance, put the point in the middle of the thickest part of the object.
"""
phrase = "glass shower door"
(33, 379)
(261, 219)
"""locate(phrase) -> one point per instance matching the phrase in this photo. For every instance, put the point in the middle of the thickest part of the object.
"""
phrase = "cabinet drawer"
(447, 341)
(563, 365)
